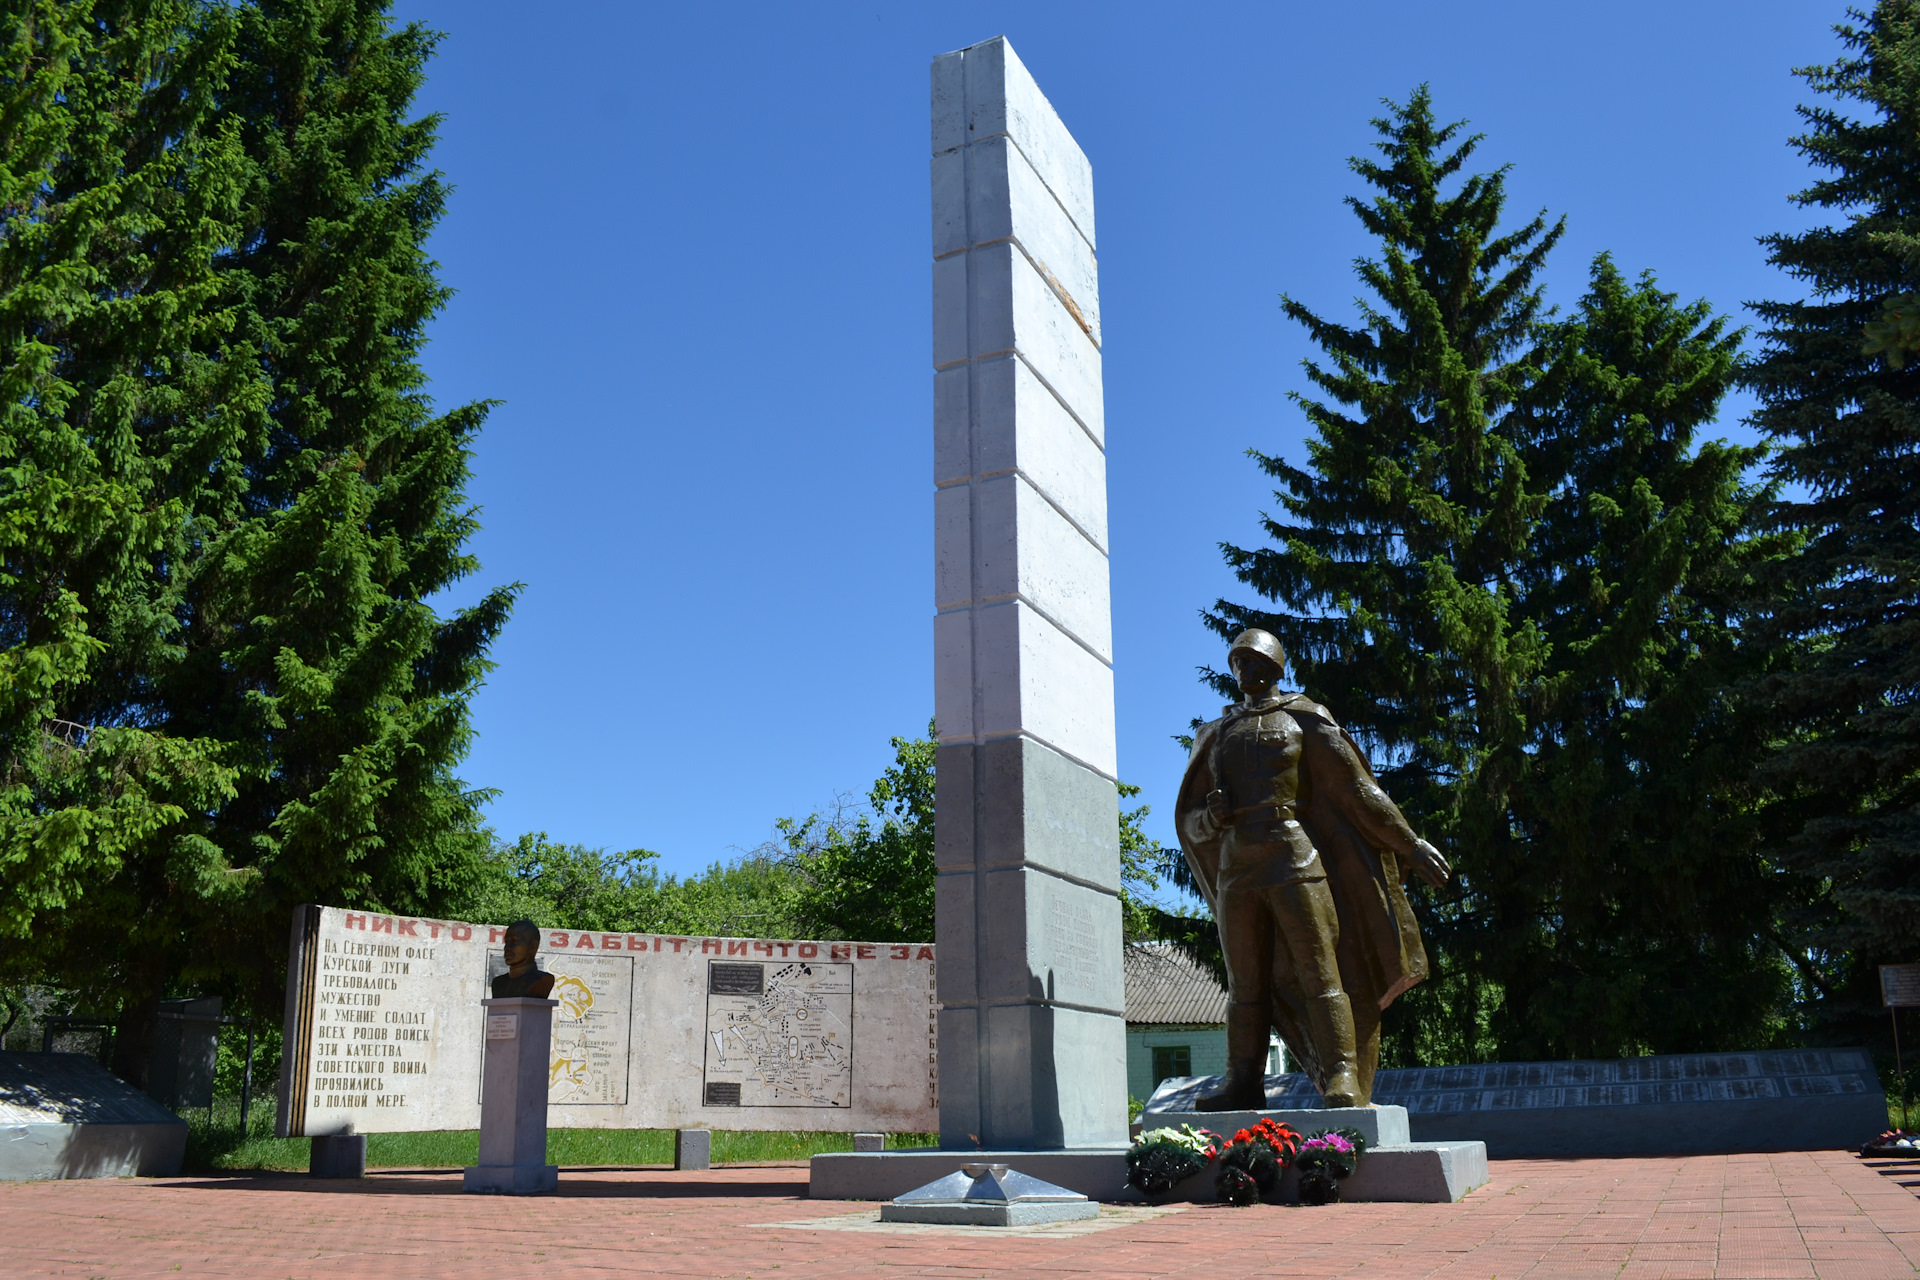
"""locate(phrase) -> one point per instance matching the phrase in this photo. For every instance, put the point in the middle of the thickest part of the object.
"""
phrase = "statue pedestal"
(1393, 1168)
(513, 1100)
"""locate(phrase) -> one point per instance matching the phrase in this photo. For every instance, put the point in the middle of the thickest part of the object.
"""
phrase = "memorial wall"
(385, 1031)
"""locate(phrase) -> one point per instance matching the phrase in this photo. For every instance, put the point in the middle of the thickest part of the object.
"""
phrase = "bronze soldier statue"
(1303, 859)
(522, 978)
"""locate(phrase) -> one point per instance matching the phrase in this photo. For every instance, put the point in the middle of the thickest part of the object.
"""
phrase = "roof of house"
(1163, 985)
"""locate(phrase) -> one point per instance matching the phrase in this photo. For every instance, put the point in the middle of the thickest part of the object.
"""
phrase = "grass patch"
(215, 1144)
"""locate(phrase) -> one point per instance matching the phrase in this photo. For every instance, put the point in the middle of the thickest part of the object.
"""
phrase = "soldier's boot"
(1245, 1088)
(1330, 1020)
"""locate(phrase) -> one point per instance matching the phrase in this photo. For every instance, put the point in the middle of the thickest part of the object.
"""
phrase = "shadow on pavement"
(1904, 1172)
(574, 1184)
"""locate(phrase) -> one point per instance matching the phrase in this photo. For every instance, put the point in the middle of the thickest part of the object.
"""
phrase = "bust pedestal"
(513, 1100)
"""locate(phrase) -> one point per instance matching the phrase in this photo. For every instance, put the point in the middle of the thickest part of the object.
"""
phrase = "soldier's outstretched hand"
(1430, 863)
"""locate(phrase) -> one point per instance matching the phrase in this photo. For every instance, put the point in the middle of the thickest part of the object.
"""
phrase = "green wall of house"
(1206, 1047)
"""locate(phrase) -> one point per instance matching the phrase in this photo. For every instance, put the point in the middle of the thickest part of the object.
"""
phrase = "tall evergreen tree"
(119, 185)
(1634, 815)
(1396, 567)
(280, 626)
(1507, 567)
(1843, 403)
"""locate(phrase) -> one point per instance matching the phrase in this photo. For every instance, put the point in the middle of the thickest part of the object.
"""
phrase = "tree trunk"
(139, 1017)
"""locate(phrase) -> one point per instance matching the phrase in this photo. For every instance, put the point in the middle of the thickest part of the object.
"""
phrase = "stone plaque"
(1772, 1100)
(779, 1035)
(1900, 985)
(385, 1031)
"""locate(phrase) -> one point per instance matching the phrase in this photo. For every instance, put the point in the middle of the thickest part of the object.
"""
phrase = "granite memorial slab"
(1779, 1100)
(385, 1030)
(63, 1115)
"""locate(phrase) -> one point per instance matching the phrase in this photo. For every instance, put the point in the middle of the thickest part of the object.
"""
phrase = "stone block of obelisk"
(1032, 1039)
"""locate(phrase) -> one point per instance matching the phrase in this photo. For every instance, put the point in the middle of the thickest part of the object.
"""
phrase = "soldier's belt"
(1262, 813)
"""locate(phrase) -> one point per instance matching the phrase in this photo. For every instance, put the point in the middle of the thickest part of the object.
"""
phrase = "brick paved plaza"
(1807, 1214)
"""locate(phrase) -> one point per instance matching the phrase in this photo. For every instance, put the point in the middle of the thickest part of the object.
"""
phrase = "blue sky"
(690, 250)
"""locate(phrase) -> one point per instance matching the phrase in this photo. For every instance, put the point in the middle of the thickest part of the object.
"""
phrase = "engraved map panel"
(779, 1034)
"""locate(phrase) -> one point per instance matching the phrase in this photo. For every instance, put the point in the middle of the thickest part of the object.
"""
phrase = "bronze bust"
(1303, 859)
(519, 948)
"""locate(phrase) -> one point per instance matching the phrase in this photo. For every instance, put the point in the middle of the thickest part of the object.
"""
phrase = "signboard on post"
(1900, 986)
(385, 1031)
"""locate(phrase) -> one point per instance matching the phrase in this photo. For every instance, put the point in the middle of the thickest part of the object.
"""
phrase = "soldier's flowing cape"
(1379, 948)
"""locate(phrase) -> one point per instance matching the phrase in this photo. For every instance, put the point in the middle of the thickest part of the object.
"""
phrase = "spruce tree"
(1396, 566)
(121, 419)
(1634, 812)
(1842, 402)
(1508, 567)
(306, 503)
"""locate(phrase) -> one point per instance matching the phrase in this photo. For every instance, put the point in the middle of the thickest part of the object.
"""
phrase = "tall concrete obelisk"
(1032, 1038)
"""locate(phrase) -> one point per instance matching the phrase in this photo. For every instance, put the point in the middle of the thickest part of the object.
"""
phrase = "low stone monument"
(989, 1195)
(63, 1115)
(513, 1108)
(1772, 1100)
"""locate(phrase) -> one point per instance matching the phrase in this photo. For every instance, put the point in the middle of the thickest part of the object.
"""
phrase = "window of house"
(1171, 1060)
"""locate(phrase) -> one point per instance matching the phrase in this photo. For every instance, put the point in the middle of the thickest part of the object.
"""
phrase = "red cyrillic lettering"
(406, 927)
(609, 942)
(709, 946)
(584, 940)
(764, 946)
(864, 952)
(924, 953)
(495, 933)
(900, 952)
(736, 948)
(356, 922)
(839, 951)
(383, 924)
(557, 937)
(461, 932)
(808, 951)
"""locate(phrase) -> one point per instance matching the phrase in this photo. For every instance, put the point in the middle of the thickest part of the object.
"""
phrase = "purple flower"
(1331, 1142)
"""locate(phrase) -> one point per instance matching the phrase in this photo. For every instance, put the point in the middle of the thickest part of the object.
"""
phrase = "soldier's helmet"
(1264, 643)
